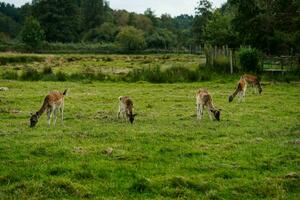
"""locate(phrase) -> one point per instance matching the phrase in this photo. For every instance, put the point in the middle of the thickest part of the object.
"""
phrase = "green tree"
(203, 15)
(105, 33)
(218, 30)
(151, 15)
(140, 22)
(9, 26)
(161, 38)
(121, 17)
(32, 34)
(131, 38)
(60, 19)
(93, 13)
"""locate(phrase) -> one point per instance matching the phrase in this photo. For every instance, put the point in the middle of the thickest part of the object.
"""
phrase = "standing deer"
(126, 108)
(53, 102)
(203, 98)
(242, 86)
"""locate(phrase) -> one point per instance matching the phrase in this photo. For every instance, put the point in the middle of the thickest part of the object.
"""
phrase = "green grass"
(107, 64)
(166, 154)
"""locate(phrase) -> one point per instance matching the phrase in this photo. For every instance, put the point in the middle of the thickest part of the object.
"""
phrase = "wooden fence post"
(231, 64)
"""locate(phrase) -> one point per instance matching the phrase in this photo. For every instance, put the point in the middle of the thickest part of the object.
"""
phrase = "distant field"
(107, 64)
(252, 153)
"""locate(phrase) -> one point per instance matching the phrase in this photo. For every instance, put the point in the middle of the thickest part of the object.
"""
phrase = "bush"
(20, 59)
(10, 75)
(131, 38)
(150, 74)
(180, 74)
(30, 74)
(47, 70)
(249, 60)
(171, 75)
(61, 76)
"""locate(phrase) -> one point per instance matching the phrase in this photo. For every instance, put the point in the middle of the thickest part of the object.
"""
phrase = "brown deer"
(240, 90)
(203, 98)
(53, 102)
(126, 108)
(242, 84)
(253, 81)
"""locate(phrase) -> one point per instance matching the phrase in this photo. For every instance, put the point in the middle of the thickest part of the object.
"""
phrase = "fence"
(212, 53)
(281, 64)
(270, 64)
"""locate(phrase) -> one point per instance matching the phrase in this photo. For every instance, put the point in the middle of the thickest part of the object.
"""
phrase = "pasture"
(252, 153)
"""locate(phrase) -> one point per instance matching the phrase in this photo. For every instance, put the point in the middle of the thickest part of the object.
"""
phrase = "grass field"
(107, 64)
(252, 153)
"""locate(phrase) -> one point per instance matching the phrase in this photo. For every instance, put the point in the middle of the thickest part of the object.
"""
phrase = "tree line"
(272, 26)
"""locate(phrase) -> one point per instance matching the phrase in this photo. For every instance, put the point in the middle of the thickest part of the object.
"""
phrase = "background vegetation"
(269, 26)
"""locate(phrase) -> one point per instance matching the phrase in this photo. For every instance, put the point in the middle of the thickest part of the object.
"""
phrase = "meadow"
(252, 153)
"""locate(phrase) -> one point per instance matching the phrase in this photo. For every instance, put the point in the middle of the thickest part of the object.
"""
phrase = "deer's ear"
(31, 113)
(220, 109)
(135, 115)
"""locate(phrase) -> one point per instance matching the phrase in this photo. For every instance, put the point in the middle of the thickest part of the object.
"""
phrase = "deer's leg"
(62, 114)
(49, 113)
(240, 95)
(198, 111)
(55, 116)
(119, 112)
(244, 94)
(209, 113)
(201, 108)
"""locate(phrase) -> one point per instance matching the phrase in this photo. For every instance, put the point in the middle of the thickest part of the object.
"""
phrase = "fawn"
(126, 108)
(53, 102)
(203, 98)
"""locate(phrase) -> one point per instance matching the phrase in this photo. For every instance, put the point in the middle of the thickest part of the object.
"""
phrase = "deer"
(53, 102)
(242, 86)
(126, 108)
(204, 99)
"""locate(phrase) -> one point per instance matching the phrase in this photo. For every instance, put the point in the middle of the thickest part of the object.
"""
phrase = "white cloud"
(173, 7)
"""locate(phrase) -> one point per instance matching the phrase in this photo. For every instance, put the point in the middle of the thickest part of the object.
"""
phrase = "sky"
(173, 7)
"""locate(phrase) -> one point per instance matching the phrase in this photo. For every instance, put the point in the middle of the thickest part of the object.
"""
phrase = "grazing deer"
(242, 86)
(203, 98)
(126, 108)
(253, 81)
(53, 102)
(240, 90)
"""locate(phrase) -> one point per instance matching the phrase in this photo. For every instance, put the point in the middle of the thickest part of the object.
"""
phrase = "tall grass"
(171, 75)
(150, 74)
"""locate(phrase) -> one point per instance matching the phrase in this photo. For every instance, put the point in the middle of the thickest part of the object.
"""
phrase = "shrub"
(10, 75)
(30, 74)
(49, 77)
(150, 74)
(180, 74)
(131, 38)
(141, 185)
(171, 75)
(249, 60)
(61, 76)
(20, 59)
(47, 70)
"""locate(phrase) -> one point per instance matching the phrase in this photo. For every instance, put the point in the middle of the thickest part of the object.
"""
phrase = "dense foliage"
(76, 21)
(249, 60)
(32, 33)
(269, 26)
